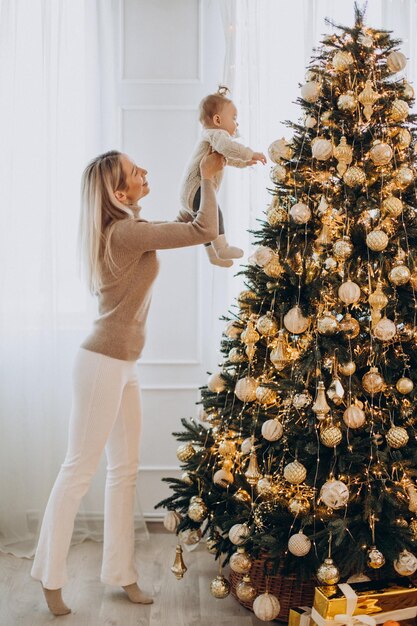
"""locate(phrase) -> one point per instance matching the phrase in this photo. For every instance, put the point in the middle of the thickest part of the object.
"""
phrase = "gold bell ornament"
(368, 97)
(343, 154)
(320, 406)
(253, 473)
(378, 301)
(279, 353)
(179, 568)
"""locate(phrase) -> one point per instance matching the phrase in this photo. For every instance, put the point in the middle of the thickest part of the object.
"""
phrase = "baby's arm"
(222, 142)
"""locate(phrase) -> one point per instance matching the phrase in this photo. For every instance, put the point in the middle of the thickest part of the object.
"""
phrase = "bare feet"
(136, 595)
(55, 602)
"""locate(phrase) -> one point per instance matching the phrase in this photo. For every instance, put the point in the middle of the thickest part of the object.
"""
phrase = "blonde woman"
(119, 250)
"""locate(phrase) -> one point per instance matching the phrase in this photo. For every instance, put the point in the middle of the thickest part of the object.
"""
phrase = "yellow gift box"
(370, 603)
(300, 616)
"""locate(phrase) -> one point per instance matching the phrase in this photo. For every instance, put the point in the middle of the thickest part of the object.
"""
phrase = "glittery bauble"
(385, 330)
(321, 149)
(300, 213)
(298, 505)
(327, 324)
(236, 356)
(393, 206)
(342, 60)
(343, 248)
(245, 389)
(399, 110)
(381, 153)
(404, 176)
(267, 325)
(334, 494)
(295, 322)
(354, 417)
(265, 395)
(295, 472)
(185, 451)
(397, 437)
(405, 385)
(330, 436)
(375, 558)
(349, 326)
(310, 92)
(399, 275)
(403, 138)
(223, 478)
(220, 587)
(372, 381)
(266, 607)
(240, 562)
(354, 176)
(276, 216)
(216, 383)
(245, 591)
(299, 544)
(301, 400)
(279, 150)
(327, 573)
(272, 430)
(278, 174)
(238, 534)
(377, 240)
(246, 298)
(171, 521)
(396, 61)
(349, 292)
(197, 510)
(347, 369)
(405, 564)
(346, 102)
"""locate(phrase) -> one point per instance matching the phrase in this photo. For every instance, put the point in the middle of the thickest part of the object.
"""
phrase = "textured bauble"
(298, 505)
(396, 61)
(301, 400)
(404, 176)
(374, 558)
(171, 521)
(185, 452)
(299, 544)
(367, 42)
(233, 330)
(223, 478)
(403, 138)
(267, 325)
(272, 430)
(405, 385)
(265, 395)
(280, 149)
(354, 416)
(343, 248)
(245, 591)
(216, 383)
(405, 564)
(310, 92)
(321, 149)
(236, 356)
(266, 607)
(240, 561)
(310, 121)
(377, 299)
(393, 206)
(238, 534)
(349, 326)
(227, 448)
(242, 496)
(197, 510)
(399, 275)
(347, 369)
(276, 216)
(330, 436)
(262, 255)
(245, 389)
(342, 60)
(367, 98)
(300, 213)
(413, 528)
(377, 240)
(399, 110)
(385, 330)
(344, 155)
(249, 335)
(295, 322)
(397, 437)
(328, 573)
(327, 324)
(278, 174)
(354, 176)
(346, 102)
(246, 298)
(220, 587)
(381, 153)
(372, 381)
(246, 445)
(334, 494)
(349, 292)
(295, 472)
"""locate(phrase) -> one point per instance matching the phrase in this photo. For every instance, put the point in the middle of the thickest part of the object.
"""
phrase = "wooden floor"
(187, 602)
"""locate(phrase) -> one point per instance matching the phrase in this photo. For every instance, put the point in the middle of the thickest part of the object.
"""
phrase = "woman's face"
(137, 185)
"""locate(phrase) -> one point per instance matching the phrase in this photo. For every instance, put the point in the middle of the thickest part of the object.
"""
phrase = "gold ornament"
(320, 406)
(179, 568)
(399, 110)
(253, 473)
(265, 395)
(405, 564)
(334, 494)
(385, 330)
(405, 385)
(328, 573)
(232, 330)
(403, 138)
(349, 326)
(375, 559)
(267, 325)
(393, 206)
(342, 61)
(278, 174)
(368, 97)
(399, 275)
(295, 472)
(220, 587)
(349, 292)
(378, 300)
(301, 400)
(347, 369)
(245, 389)
(343, 248)
(216, 383)
(249, 335)
(321, 149)
(299, 544)
(380, 153)
(330, 436)
(300, 213)
(280, 149)
(197, 510)
(273, 268)
(266, 607)
(396, 61)
(346, 101)
(171, 521)
(238, 534)
(240, 562)
(377, 240)
(276, 216)
(185, 452)
(311, 91)
(367, 42)
(245, 591)
(272, 430)
(354, 417)
(236, 356)
(279, 352)
(298, 505)
(397, 437)
(246, 298)
(404, 176)
(354, 176)
(295, 322)
(413, 528)
(242, 496)
(372, 381)
(327, 324)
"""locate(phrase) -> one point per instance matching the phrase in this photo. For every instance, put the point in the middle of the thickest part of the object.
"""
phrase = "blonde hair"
(212, 104)
(100, 211)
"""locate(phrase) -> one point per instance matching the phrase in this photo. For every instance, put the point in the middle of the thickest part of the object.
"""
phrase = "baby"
(218, 116)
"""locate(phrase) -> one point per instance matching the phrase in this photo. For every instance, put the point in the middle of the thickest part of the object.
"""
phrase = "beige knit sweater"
(124, 299)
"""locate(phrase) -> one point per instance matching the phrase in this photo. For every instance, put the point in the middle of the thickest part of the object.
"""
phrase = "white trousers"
(106, 414)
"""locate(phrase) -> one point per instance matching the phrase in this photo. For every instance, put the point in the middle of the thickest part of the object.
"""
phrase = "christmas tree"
(306, 448)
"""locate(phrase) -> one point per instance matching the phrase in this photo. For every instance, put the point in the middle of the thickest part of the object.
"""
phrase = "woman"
(119, 251)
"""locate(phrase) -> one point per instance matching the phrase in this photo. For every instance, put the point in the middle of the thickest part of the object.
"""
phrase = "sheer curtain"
(56, 82)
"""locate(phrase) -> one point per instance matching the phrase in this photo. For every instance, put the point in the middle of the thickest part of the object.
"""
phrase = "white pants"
(106, 414)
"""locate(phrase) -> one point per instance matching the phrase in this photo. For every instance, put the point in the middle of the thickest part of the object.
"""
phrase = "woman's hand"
(212, 164)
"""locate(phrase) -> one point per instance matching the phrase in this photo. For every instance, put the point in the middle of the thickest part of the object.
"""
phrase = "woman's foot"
(136, 595)
(55, 602)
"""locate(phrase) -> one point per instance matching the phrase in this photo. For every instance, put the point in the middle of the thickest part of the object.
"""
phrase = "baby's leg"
(211, 252)
(221, 246)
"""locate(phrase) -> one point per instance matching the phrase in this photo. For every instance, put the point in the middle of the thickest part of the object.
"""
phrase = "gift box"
(370, 603)
(300, 616)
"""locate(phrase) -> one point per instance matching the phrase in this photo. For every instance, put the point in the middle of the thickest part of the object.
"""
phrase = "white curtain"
(57, 64)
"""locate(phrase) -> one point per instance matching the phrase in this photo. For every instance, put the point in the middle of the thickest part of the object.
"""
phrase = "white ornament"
(385, 330)
(246, 445)
(216, 383)
(321, 149)
(367, 42)
(245, 389)
(278, 174)
(346, 101)
(262, 255)
(171, 521)
(334, 494)
(396, 61)
(295, 322)
(301, 400)
(223, 478)
(342, 61)
(238, 534)
(349, 292)
(280, 150)
(272, 430)
(381, 153)
(406, 564)
(310, 92)
(354, 417)
(310, 121)
(299, 544)
(300, 213)
(266, 607)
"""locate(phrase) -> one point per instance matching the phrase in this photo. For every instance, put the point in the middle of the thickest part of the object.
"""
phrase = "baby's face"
(226, 119)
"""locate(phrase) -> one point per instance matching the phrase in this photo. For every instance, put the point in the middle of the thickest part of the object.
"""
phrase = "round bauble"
(393, 206)
(334, 494)
(349, 326)
(245, 591)
(280, 150)
(276, 216)
(262, 255)
(399, 275)
(238, 534)
(381, 153)
(267, 325)
(408, 90)
(347, 369)
(240, 561)
(342, 60)
(295, 322)
(321, 149)
(354, 176)
(278, 174)
(310, 121)
(375, 559)
(298, 505)
(405, 385)
(299, 544)
(265, 395)
(190, 536)
(272, 430)
(327, 324)
(385, 330)
(399, 110)
(396, 61)
(232, 330)
(367, 42)
(246, 445)
(330, 436)
(197, 510)
(265, 487)
(343, 248)
(245, 389)
(404, 176)
(328, 573)
(372, 381)
(377, 240)
(223, 478)
(236, 356)
(295, 472)
(354, 417)
(220, 587)
(266, 607)
(227, 448)
(301, 400)
(349, 292)
(171, 521)
(216, 383)
(346, 102)
(403, 138)
(300, 213)
(246, 298)
(397, 437)
(405, 564)
(185, 451)
(310, 92)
